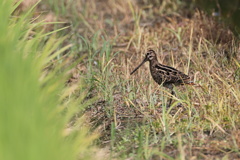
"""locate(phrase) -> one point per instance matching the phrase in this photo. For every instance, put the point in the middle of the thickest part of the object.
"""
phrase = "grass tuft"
(33, 117)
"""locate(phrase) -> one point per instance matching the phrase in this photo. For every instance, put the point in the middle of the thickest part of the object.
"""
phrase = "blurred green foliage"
(228, 11)
(33, 115)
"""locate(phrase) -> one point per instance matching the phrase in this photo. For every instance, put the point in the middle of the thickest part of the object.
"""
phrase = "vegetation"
(66, 89)
(35, 106)
(225, 11)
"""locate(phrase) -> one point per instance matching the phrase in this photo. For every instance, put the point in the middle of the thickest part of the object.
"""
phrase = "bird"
(164, 75)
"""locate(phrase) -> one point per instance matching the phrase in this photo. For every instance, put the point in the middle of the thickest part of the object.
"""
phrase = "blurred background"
(66, 90)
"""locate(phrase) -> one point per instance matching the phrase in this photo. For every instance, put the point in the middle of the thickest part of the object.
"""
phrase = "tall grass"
(35, 106)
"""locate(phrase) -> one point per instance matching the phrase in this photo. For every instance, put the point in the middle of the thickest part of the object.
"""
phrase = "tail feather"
(193, 84)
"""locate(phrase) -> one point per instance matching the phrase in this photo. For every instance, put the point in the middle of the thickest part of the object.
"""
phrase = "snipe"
(164, 75)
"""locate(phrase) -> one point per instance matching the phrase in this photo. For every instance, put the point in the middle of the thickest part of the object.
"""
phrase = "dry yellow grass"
(128, 111)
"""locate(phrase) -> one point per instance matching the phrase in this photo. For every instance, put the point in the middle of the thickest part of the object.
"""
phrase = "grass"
(34, 117)
(129, 112)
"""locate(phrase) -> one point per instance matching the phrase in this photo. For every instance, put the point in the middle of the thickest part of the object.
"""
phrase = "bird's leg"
(170, 101)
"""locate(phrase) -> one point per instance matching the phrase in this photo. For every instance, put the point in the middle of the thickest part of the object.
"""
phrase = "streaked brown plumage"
(162, 74)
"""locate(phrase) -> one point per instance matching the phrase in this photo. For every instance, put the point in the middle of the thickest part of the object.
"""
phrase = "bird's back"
(166, 75)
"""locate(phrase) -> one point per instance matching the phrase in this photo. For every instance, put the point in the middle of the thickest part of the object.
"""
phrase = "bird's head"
(150, 55)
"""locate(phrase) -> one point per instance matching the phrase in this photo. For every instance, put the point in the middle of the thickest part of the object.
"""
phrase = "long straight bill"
(138, 67)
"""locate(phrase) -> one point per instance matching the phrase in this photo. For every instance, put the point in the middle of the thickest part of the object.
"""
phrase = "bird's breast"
(158, 78)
